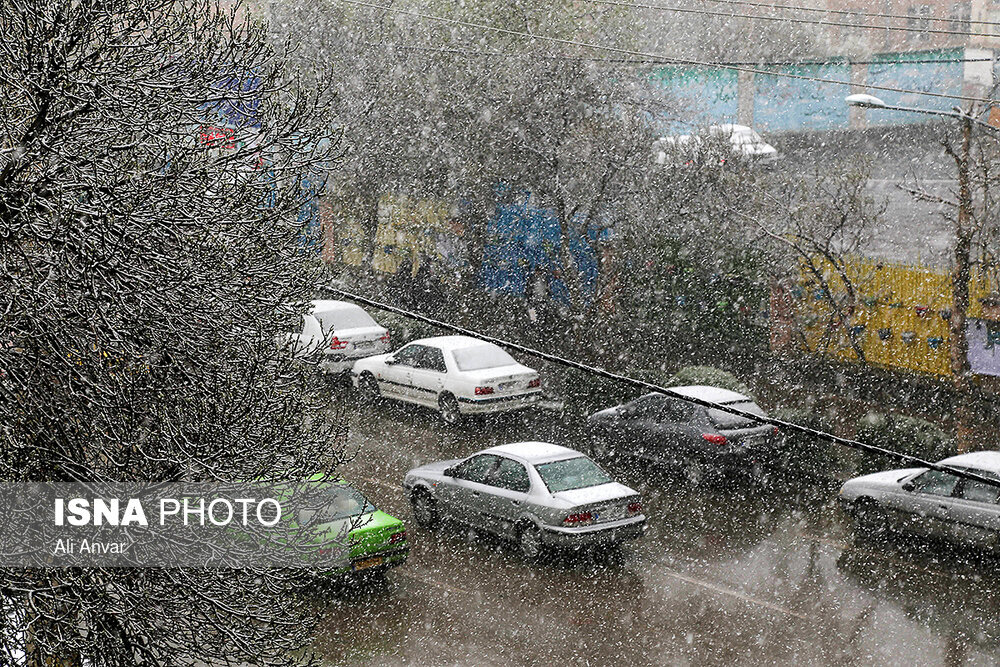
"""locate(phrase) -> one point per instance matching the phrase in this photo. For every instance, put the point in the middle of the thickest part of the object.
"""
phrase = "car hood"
(888, 478)
(436, 468)
(373, 361)
(594, 494)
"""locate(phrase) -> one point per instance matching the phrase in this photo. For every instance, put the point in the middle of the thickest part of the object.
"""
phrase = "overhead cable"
(845, 12)
(662, 61)
(668, 59)
(787, 19)
(785, 426)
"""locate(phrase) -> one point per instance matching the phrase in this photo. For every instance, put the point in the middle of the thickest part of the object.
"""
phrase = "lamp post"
(961, 270)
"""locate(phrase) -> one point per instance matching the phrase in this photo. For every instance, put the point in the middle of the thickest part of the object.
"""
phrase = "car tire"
(425, 511)
(368, 387)
(448, 405)
(529, 542)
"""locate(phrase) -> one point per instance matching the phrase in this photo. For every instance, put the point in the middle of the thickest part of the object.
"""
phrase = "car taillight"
(337, 344)
(714, 438)
(634, 508)
(482, 391)
(396, 538)
(537, 382)
(775, 431)
(580, 519)
(385, 338)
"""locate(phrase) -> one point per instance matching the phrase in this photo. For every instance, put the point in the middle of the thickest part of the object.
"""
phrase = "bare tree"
(153, 162)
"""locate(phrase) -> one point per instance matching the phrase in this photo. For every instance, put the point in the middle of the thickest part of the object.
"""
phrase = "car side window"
(646, 407)
(980, 492)
(674, 411)
(433, 360)
(510, 475)
(409, 355)
(477, 468)
(935, 483)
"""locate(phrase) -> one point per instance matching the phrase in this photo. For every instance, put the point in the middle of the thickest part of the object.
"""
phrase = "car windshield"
(339, 502)
(569, 474)
(478, 357)
(347, 318)
(725, 420)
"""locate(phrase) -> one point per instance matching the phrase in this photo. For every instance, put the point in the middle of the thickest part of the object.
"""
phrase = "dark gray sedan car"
(931, 503)
(534, 493)
(667, 430)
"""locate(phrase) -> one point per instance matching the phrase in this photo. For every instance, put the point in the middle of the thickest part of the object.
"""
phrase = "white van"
(339, 333)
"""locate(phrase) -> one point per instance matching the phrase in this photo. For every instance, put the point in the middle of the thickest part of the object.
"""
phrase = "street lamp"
(964, 232)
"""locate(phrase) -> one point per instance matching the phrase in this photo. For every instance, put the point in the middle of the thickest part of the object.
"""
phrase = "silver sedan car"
(535, 493)
(931, 503)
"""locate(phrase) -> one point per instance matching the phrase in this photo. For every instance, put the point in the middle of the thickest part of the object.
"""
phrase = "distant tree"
(152, 158)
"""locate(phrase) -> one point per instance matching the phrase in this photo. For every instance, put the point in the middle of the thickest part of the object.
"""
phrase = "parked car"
(457, 375)
(339, 333)
(931, 503)
(535, 493)
(667, 430)
(745, 143)
(377, 541)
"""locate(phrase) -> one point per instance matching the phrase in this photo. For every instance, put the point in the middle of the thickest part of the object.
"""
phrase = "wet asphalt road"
(740, 573)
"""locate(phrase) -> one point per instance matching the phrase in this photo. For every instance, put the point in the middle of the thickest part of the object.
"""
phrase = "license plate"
(363, 345)
(612, 513)
(507, 385)
(367, 563)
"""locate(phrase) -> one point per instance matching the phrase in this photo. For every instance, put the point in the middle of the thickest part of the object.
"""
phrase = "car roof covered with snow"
(535, 452)
(329, 305)
(712, 394)
(452, 342)
(986, 461)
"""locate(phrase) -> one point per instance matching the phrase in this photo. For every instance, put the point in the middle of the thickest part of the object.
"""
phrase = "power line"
(789, 19)
(844, 12)
(663, 61)
(675, 61)
(648, 386)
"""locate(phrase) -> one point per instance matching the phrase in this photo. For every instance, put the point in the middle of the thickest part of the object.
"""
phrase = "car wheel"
(529, 542)
(448, 405)
(369, 388)
(424, 509)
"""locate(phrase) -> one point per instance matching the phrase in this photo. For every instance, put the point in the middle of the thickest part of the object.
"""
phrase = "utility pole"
(960, 277)
(961, 272)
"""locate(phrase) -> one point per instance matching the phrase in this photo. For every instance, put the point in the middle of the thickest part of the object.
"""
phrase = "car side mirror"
(909, 486)
(449, 472)
(391, 361)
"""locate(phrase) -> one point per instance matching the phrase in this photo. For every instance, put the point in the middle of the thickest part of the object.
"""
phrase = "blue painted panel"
(706, 96)
(782, 103)
(945, 78)
(525, 238)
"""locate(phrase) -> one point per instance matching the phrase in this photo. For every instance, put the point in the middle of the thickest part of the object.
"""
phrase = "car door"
(463, 497)
(669, 437)
(396, 378)
(925, 507)
(976, 512)
(427, 378)
(508, 487)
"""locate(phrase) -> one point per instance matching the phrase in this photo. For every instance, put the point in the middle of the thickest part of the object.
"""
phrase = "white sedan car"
(458, 375)
(338, 333)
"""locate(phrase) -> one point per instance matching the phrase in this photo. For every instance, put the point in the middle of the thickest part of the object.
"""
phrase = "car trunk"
(609, 502)
(361, 339)
(504, 379)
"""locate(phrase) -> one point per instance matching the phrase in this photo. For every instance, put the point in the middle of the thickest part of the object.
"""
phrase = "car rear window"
(725, 420)
(478, 357)
(341, 502)
(569, 474)
(348, 318)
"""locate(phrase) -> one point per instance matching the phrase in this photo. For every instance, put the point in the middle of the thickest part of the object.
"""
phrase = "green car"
(377, 541)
